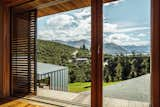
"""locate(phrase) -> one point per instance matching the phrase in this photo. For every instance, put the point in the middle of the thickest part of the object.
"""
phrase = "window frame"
(97, 96)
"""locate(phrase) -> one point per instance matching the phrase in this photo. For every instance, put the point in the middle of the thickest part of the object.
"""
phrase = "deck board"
(18, 104)
(21, 103)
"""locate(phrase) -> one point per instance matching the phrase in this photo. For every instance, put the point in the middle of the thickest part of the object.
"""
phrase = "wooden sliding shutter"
(23, 53)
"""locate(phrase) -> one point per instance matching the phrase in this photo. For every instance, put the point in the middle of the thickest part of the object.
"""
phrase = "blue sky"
(126, 22)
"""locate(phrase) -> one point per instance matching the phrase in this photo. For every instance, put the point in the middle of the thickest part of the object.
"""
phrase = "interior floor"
(20, 102)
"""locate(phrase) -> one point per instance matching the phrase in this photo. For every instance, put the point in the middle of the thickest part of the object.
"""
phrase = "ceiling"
(48, 7)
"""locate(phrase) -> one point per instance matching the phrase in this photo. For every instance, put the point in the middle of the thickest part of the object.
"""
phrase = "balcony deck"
(83, 100)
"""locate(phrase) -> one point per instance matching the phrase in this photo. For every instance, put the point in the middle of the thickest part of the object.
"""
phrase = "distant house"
(76, 59)
(80, 60)
(74, 54)
(105, 63)
(56, 76)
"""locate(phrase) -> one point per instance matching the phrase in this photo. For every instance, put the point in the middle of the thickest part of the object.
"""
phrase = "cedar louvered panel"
(23, 53)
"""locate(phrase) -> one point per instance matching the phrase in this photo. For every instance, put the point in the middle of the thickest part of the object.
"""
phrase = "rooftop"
(43, 68)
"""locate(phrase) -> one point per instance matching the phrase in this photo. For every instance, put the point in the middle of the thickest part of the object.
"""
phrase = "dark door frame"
(97, 50)
(97, 53)
(155, 53)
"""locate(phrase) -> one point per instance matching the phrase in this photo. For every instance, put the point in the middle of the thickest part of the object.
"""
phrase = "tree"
(133, 72)
(126, 68)
(147, 64)
(83, 46)
(139, 65)
(72, 73)
(119, 69)
(107, 76)
(111, 68)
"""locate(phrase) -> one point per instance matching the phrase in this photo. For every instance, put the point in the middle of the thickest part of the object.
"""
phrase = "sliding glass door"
(126, 51)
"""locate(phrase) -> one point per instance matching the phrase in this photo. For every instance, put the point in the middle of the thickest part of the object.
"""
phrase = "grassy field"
(85, 86)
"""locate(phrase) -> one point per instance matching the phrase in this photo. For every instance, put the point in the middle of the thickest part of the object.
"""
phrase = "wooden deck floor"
(18, 104)
(22, 103)
(46, 102)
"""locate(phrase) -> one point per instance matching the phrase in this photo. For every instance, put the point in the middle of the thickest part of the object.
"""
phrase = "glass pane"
(64, 63)
(127, 53)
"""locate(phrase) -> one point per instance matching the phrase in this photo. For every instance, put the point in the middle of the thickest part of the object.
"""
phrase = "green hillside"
(57, 53)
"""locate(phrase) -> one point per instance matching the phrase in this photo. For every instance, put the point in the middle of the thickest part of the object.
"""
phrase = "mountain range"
(110, 48)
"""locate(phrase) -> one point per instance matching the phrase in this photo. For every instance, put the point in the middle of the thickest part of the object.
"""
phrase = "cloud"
(124, 40)
(141, 35)
(82, 13)
(60, 21)
(76, 25)
(115, 28)
(108, 27)
(132, 29)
